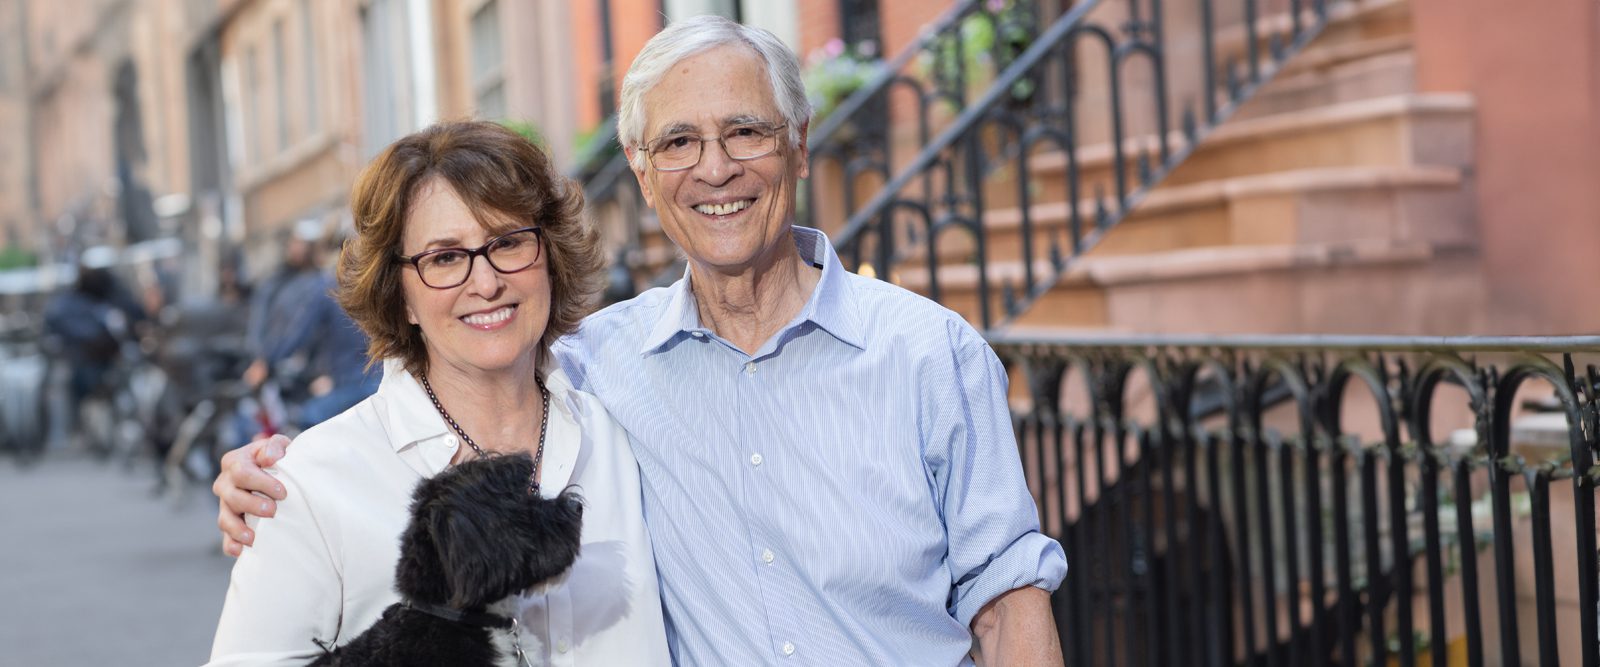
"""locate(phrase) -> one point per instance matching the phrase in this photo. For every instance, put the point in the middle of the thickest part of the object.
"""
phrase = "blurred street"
(97, 571)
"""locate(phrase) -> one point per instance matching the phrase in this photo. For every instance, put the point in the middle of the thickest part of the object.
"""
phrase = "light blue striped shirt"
(851, 494)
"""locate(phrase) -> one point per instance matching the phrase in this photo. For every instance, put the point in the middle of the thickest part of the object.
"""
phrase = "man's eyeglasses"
(444, 268)
(676, 152)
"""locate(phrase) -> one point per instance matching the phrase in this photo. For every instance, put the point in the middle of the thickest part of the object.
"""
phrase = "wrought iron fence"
(938, 68)
(1289, 501)
(1107, 61)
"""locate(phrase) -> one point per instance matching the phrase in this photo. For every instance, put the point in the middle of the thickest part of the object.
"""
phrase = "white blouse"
(323, 567)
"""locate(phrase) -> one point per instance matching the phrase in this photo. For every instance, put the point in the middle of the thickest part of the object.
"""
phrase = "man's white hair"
(694, 35)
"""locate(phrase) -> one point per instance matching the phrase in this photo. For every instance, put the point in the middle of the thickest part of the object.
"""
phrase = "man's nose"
(716, 167)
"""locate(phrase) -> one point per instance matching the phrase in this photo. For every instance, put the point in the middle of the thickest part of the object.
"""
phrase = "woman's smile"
(492, 319)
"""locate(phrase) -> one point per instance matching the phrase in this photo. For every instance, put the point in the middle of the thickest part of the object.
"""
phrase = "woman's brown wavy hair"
(507, 182)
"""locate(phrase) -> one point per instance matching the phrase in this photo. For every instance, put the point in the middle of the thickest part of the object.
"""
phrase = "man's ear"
(636, 163)
(803, 153)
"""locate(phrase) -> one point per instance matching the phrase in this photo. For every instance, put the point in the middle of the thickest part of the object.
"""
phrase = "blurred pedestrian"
(91, 320)
(298, 331)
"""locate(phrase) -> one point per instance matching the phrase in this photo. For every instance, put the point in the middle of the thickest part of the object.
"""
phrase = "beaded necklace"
(544, 426)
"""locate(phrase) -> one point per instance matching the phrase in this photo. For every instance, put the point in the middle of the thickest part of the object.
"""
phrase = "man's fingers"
(235, 532)
(270, 452)
(240, 472)
(238, 502)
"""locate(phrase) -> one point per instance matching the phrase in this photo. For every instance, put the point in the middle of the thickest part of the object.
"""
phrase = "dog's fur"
(476, 538)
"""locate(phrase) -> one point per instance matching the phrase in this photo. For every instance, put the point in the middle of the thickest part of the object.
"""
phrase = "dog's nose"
(572, 502)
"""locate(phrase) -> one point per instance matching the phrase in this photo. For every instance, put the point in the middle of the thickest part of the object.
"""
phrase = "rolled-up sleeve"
(991, 521)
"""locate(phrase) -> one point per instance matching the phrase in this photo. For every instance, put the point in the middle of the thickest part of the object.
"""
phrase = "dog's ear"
(478, 558)
(420, 575)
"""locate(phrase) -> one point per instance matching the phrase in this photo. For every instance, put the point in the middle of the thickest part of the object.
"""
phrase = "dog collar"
(480, 619)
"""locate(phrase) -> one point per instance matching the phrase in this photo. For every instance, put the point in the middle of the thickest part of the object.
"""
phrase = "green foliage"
(527, 129)
(833, 72)
(985, 43)
(591, 144)
(12, 257)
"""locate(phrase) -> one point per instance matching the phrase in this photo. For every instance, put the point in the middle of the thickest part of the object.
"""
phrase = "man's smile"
(724, 208)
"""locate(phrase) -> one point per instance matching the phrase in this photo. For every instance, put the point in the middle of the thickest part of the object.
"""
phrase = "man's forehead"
(674, 108)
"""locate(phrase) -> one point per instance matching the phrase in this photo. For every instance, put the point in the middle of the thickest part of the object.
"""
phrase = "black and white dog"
(477, 537)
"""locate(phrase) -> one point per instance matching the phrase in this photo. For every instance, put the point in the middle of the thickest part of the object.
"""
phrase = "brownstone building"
(16, 229)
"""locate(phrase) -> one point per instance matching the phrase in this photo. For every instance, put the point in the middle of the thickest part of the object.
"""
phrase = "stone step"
(1417, 129)
(1378, 286)
(1431, 204)
(1386, 73)
(1351, 24)
(1355, 30)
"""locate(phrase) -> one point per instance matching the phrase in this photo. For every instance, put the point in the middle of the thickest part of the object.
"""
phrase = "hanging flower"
(833, 72)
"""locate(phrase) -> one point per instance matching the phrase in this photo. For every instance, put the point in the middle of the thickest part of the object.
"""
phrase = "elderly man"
(829, 471)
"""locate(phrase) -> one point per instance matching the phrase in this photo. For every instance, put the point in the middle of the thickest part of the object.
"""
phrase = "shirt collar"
(412, 417)
(830, 307)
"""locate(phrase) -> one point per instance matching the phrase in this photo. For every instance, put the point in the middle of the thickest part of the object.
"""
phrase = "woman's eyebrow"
(442, 242)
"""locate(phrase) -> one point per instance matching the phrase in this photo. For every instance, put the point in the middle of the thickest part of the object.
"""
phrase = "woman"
(471, 257)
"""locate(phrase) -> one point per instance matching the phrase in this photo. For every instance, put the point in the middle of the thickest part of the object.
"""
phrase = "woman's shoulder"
(340, 442)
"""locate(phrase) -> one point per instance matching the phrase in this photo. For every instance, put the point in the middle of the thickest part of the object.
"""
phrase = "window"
(859, 21)
(606, 83)
(309, 61)
(488, 76)
(5, 72)
(280, 90)
(385, 68)
(252, 106)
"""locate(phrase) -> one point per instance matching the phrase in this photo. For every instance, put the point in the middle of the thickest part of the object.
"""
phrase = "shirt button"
(788, 648)
(561, 646)
(767, 556)
(750, 368)
(755, 459)
(450, 441)
(697, 334)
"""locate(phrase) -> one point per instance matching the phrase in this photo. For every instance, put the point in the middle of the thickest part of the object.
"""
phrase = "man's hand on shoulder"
(243, 487)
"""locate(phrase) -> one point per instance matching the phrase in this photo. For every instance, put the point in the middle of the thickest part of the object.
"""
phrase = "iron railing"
(616, 205)
(601, 166)
(934, 69)
(1038, 103)
(1208, 526)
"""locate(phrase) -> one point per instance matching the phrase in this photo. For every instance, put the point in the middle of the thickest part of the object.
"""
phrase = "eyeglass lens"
(744, 142)
(507, 254)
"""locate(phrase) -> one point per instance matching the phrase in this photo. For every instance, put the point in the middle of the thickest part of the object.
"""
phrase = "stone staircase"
(1338, 200)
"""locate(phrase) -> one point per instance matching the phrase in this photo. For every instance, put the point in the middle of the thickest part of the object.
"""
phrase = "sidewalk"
(96, 571)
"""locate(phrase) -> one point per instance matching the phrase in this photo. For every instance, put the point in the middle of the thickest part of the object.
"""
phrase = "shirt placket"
(559, 630)
(771, 568)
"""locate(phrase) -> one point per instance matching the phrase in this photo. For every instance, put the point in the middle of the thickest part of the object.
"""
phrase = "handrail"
(886, 73)
(968, 119)
(601, 153)
(950, 167)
